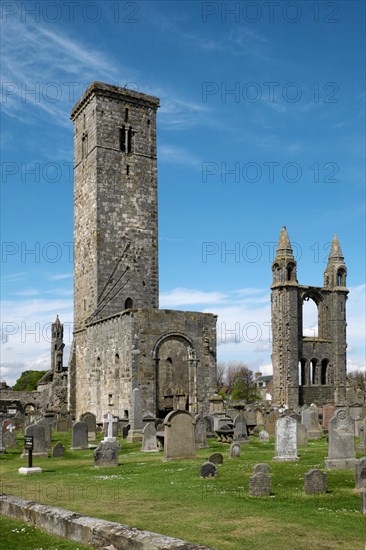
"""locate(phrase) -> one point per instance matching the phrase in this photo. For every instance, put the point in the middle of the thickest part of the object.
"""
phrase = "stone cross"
(109, 420)
(10, 428)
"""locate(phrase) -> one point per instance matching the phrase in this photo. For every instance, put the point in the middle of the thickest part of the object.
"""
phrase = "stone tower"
(57, 346)
(121, 340)
(308, 369)
(115, 202)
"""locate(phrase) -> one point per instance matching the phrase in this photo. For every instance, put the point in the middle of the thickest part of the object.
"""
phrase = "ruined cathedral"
(122, 340)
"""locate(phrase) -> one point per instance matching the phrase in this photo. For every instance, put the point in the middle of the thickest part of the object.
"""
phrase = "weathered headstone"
(328, 412)
(47, 432)
(362, 436)
(149, 443)
(250, 416)
(270, 423)
(313, 426)
(200, 432)
(240, 428)
(360, 469)
(91, 421)
(302, 435)
(286, 440)
(259, 417)
(260, 485)
(216, 458)
(305, 416)
(2, 448)
(39, 443)
(106, 454)
(315, 482)
(262, 467)
(208, 469)
(135, 417)
(179, 435)
(63, 425)
(363, 501)
(58, 450)
(79, 436)
(341, 449)
(263, 436)
(234, 451)
(9, 435)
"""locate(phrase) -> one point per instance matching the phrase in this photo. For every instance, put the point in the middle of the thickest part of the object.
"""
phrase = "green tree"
(240, 382)
(28, 380)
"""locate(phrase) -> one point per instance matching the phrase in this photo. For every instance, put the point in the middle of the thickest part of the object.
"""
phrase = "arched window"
(129, 303)
(98, 362)
(116, 359)
(313, 372)
(310, 316)
(290, 272)
(341, 277)
(302, 372)
(324, 374)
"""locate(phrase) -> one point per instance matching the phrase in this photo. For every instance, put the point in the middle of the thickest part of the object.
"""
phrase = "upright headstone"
(91, 421)
(315, 482)
(47, 432)
(286, 440)
(240, 428)
(302, 435)
(2, 448)
(305, 416)
(179, 435)
(259, 417)
(361, 473)
(263, 436)
(200, 432)
(9, 435)
(79, 436)
(135, 417)
(234, 451)
(58, 450)
(363, 501)
(270, 422)
(328, 412)
(341, 449)
(313, 426)
(63, 425)
(149, 443)
(260, 485)
(262, 467)
(39, 442)
(362, 436)
(106, 454)
(216, 458)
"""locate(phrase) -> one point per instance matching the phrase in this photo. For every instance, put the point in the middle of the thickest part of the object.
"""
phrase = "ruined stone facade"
(308, 369)
(121, 339)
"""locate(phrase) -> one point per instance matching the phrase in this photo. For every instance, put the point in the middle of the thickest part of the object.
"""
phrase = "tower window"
(129, 303)
(341, 277)
(126, 114)
(122, 139)
(84, 146)
(129, 142)
(127, 169)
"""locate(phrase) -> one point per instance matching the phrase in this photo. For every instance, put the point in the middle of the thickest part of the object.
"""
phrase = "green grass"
(170, 498)
(16, 535)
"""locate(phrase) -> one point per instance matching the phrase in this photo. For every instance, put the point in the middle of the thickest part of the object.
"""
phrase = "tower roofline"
(284, 249)
(336, 254)
(113, 92)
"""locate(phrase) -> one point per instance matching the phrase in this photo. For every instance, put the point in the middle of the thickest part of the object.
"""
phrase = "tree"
(220, 376)
(28, 380)
(358, 378)
(240, 382)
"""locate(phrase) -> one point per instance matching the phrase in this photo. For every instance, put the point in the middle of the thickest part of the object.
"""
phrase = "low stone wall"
(86, 530)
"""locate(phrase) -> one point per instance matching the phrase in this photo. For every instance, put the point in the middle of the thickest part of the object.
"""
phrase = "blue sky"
(261, 124)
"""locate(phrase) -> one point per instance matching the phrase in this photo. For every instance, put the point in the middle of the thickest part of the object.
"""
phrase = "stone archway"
(172, 354)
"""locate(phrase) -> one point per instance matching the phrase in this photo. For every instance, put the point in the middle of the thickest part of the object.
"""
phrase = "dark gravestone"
(80, 436)
(106, 454)
(216, 458)
(39, 444)
(262, 468)
(315, 482)
(200, 432)
(58, 450)
(47, 432)
(360, 469)
(125, 431)
(63, 425)
(240, 428)
(260, 485)
(91, 421)
(208, 469)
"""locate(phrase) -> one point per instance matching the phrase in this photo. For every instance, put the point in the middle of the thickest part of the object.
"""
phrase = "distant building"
(264, 386)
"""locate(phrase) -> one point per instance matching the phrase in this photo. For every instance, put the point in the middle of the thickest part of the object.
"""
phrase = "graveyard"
(169, 496)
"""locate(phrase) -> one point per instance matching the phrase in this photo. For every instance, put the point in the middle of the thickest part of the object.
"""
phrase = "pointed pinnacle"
(336, 254)
(284, 245)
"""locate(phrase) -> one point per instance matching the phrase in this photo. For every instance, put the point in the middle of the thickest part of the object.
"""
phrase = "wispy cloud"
(178, 155)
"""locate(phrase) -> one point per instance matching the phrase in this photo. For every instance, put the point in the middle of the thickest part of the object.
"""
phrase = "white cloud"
(186, 296)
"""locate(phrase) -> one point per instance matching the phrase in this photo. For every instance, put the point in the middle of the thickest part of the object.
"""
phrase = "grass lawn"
(170, 498)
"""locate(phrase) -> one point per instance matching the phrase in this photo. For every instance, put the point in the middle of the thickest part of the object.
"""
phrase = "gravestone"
(47, 432)
(260, 485)
(216, 458)
(39, 443)
(302, 435)
(200, 432)
(315, 482)
(262, 468)
(240, 428)
(234, 451)
(216, 403)
(360, 469)
(313, 426)
(259, 417)
(19, 420)
(362, 436)
(149, 443)
(79, 436)
(328, 412)
(9, 436)
(263, 436)
(286, 440)
(63, 425)
(341, 449)
(91, 421)
(250, 416)
(2, 448)
(209, 425)
(363, 501)
(135, 417)
(106, 454)
(355, 410)
(110, 428)
(270, 423)
(208, 469)
(179, 435)
(305, 416)
(58, 451)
